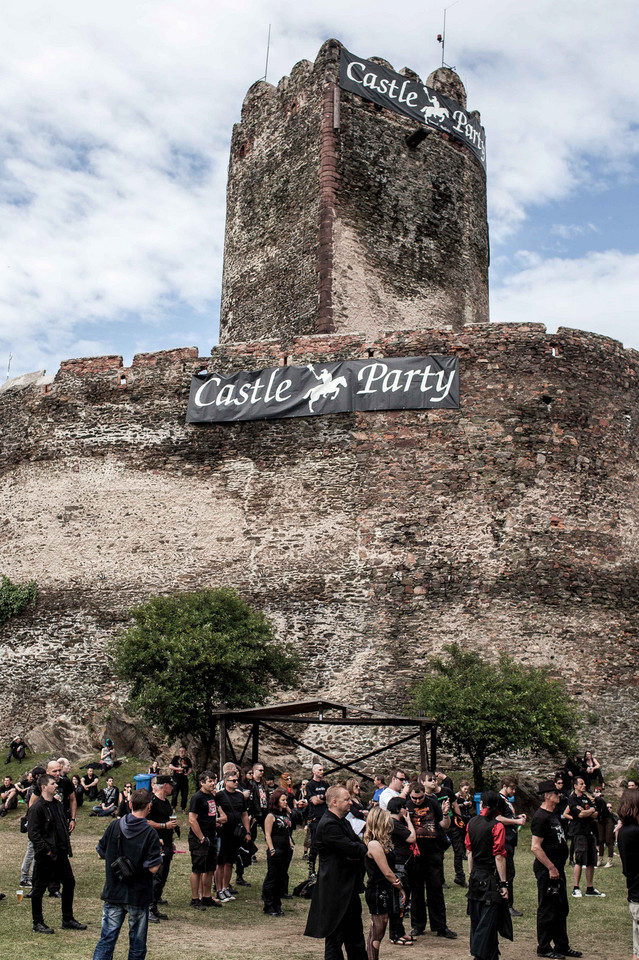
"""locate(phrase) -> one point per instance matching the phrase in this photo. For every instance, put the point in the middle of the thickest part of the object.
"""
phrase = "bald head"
(54, 769)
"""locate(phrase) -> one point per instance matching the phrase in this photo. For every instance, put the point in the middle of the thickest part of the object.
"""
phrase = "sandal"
(403, 942)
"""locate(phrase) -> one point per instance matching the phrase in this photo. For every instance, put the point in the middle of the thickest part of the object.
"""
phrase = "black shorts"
(229, 848)
(586, 850)
(203, 856)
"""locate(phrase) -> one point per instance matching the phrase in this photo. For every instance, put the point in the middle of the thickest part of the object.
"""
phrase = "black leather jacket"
(46, 837)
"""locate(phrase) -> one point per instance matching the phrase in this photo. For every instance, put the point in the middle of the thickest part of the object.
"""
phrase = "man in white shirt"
(397, 787)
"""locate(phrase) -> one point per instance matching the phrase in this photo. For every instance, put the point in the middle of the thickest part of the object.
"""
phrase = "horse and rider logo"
(435, 111)
(328, 386)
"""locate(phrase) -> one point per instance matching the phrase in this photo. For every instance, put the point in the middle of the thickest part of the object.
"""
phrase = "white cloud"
(597, 292)
(116, 121)
(568, 231)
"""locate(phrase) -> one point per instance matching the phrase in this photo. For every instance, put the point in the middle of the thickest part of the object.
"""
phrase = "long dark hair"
(629, 807)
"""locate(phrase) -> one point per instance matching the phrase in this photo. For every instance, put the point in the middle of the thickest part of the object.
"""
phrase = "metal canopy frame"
(320, 712)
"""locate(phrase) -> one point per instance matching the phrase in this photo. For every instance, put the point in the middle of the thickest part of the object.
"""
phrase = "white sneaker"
(576, 892)
(609, 864)
(228, 894)
(594, 893)
(223, 896)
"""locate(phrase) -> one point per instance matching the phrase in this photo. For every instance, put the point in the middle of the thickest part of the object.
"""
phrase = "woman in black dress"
(278, 825)
(383, 883)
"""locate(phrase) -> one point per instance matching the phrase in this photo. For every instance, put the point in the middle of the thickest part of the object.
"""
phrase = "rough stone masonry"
(371, 539)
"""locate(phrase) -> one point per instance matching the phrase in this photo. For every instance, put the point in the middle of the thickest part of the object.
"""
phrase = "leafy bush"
(14, 597)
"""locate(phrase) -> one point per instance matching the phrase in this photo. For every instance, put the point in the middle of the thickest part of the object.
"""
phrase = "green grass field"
(601, 928)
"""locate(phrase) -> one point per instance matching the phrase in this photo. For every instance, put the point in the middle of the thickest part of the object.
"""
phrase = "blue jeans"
(113, 916)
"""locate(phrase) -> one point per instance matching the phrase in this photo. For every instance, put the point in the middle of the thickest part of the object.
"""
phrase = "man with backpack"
(132, 853)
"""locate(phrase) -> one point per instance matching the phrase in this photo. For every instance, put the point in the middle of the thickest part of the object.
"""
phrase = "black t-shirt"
(316, 788)
(160, 812)
(444, 794)
(204, 806)
(400, 842)
(233, 805)
(425, 820)
(628, 840)
(91, 791)
(258, 801)
(184, 763)
(581, 826)
(64, 791)
(547, 827)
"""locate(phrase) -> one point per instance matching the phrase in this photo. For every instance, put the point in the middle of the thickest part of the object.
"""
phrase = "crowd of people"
(395, 842)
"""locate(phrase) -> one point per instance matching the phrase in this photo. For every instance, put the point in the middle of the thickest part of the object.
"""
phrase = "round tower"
(345, 214)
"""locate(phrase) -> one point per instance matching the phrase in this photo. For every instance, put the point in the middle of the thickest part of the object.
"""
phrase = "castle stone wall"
(371, 539)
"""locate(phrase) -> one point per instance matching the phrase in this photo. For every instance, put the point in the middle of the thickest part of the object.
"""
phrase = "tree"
(14, 597)
(187, 654)
(484, 708)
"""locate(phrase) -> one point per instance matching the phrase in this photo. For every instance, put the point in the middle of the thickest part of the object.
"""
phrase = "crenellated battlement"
(179, 364)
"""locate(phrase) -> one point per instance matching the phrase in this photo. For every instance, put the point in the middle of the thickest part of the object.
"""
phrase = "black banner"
(408, 383)
(395, 92)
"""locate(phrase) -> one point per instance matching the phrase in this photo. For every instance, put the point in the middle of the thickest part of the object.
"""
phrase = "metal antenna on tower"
(441, 37)
(268, 47)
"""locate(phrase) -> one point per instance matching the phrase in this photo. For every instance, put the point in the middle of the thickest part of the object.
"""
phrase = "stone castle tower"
(344, 216)
(370, 538)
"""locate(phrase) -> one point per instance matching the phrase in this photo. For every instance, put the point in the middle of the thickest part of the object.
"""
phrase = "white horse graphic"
(435, 111)
(327, 387)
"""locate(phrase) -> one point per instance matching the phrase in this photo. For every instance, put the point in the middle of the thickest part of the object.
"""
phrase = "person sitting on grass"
(90, 784)
(23, 784)
(107, 756)
(108, 800)
(8, 796)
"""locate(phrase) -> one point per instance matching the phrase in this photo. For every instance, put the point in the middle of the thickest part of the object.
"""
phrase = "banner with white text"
(391, 90)
(407, 383)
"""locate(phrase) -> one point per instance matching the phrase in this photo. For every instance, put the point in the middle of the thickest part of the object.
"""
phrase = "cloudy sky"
(116, 121)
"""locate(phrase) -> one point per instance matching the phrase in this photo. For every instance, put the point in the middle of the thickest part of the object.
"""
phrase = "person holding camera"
(132, 853)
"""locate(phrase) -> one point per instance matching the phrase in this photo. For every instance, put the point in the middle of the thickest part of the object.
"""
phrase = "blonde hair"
(379, 826)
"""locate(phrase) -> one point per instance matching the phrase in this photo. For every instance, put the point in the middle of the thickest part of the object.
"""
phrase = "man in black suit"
(336, 910)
